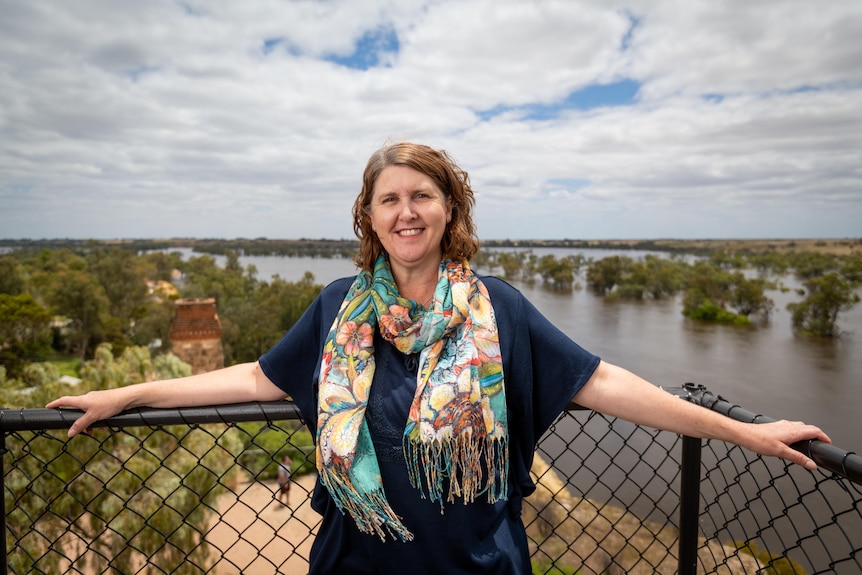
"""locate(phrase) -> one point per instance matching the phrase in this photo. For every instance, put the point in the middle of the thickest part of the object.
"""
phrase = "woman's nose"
(408, 211)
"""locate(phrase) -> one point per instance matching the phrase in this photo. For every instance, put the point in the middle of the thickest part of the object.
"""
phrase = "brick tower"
(196, 334)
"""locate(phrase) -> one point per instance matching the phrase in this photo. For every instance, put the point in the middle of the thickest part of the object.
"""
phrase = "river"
(766, 369)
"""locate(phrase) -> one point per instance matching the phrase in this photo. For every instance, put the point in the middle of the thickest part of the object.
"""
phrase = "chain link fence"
(195, 491)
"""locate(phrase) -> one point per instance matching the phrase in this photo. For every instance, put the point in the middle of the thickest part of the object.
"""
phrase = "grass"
(66, 365)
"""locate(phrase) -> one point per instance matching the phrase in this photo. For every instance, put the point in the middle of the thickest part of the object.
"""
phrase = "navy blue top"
(543, 370)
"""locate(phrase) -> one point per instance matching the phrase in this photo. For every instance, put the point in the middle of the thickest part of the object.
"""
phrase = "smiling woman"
(428, 388)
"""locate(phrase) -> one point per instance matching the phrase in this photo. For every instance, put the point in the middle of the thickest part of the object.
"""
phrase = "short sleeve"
(544, 368)
(293, 363)
(561, 368)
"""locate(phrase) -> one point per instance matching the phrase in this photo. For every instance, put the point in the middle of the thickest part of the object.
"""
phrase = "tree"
(604, 274)
(25, 331)
(651, 277)
(809, 265)
(511, 262)
(558, 273)
(11, 280)
(748, 297)
(123, 280)
(160, 265)
(818, 313)
(75, 295)
(717, 294)
(253, 324)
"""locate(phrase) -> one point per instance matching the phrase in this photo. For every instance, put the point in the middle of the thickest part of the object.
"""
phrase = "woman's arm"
(235, 384)
(617, 392)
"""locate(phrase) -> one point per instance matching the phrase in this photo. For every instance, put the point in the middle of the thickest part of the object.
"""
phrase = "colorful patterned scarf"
(457, 430)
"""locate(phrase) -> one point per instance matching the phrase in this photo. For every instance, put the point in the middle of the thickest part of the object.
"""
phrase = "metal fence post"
(3, 499)
(689, 505)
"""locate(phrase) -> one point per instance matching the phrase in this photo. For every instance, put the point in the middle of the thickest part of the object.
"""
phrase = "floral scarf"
(457, 430)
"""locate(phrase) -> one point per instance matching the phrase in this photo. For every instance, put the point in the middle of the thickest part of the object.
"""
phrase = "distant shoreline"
(264, 246)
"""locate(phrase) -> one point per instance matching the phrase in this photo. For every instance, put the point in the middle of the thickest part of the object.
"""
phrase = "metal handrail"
(839, 461)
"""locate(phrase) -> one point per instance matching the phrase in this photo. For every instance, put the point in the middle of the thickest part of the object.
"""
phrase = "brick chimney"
(196, 334)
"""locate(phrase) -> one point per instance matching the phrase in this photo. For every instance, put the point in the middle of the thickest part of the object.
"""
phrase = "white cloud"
(230, 119)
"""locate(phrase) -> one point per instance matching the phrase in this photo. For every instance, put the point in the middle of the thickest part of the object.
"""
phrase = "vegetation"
(66, 302)
(63, 298)
(548, 568)
(713, 288)
(105, 309)
(827, 296)
(105, 312)
(122, 492)
(25, 331)
(772, 564)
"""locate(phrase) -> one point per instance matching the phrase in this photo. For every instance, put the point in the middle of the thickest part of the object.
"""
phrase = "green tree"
(748, 297)
(253, 324)
(769, 262)
(851, 270)
(512, 263)
(11, 278)
(809, 265)
(155, 325)
(558, 273)
(123, 278)
(653, 277)
(727, 260)
(74, 294)
(716, 294)
(828, 296)
(25, 331)
(160, 265)
(603, 275)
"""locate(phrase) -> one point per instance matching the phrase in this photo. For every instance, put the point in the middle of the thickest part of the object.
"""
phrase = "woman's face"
(409, 214)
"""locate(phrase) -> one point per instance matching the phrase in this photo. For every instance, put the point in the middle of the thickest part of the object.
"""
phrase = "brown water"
(765, 369)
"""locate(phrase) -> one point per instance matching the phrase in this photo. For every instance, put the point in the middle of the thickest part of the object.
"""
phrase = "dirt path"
(251, 518)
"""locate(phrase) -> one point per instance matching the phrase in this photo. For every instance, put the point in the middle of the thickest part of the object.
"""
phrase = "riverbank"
(295, 247)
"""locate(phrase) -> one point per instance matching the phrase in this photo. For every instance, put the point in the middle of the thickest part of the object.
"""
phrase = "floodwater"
(765, 369)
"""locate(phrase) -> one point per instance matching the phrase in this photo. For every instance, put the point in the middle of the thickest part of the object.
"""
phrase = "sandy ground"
(251, 518)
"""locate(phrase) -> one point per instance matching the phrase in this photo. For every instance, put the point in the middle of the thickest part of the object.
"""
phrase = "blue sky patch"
(271, 44)
(620, 93)
(568, 184)
(369, 50)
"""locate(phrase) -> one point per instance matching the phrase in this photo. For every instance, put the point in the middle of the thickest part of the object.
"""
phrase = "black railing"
(193, 491)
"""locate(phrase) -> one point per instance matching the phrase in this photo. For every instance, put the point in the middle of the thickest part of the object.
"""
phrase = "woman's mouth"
(410, 232)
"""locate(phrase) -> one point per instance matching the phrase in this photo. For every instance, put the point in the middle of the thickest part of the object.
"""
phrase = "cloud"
(574, 119)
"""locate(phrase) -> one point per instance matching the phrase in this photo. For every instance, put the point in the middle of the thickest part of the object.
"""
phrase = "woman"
(428, 388)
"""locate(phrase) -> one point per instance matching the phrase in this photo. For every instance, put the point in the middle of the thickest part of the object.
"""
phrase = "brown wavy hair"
(459, 240)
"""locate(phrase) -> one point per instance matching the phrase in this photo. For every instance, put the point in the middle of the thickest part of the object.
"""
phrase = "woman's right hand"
(238, 383)
(96, 405)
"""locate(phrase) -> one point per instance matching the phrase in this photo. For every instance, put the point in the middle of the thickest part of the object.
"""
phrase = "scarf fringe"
(370, 510)
(463, 461)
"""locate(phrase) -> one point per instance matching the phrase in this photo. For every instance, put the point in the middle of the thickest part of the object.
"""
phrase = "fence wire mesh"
(145, 496)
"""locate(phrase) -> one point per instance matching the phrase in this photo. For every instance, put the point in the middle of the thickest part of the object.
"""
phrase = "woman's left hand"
(776, 438)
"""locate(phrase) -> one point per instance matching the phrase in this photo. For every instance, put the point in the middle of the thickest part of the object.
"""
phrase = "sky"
(575, 119)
